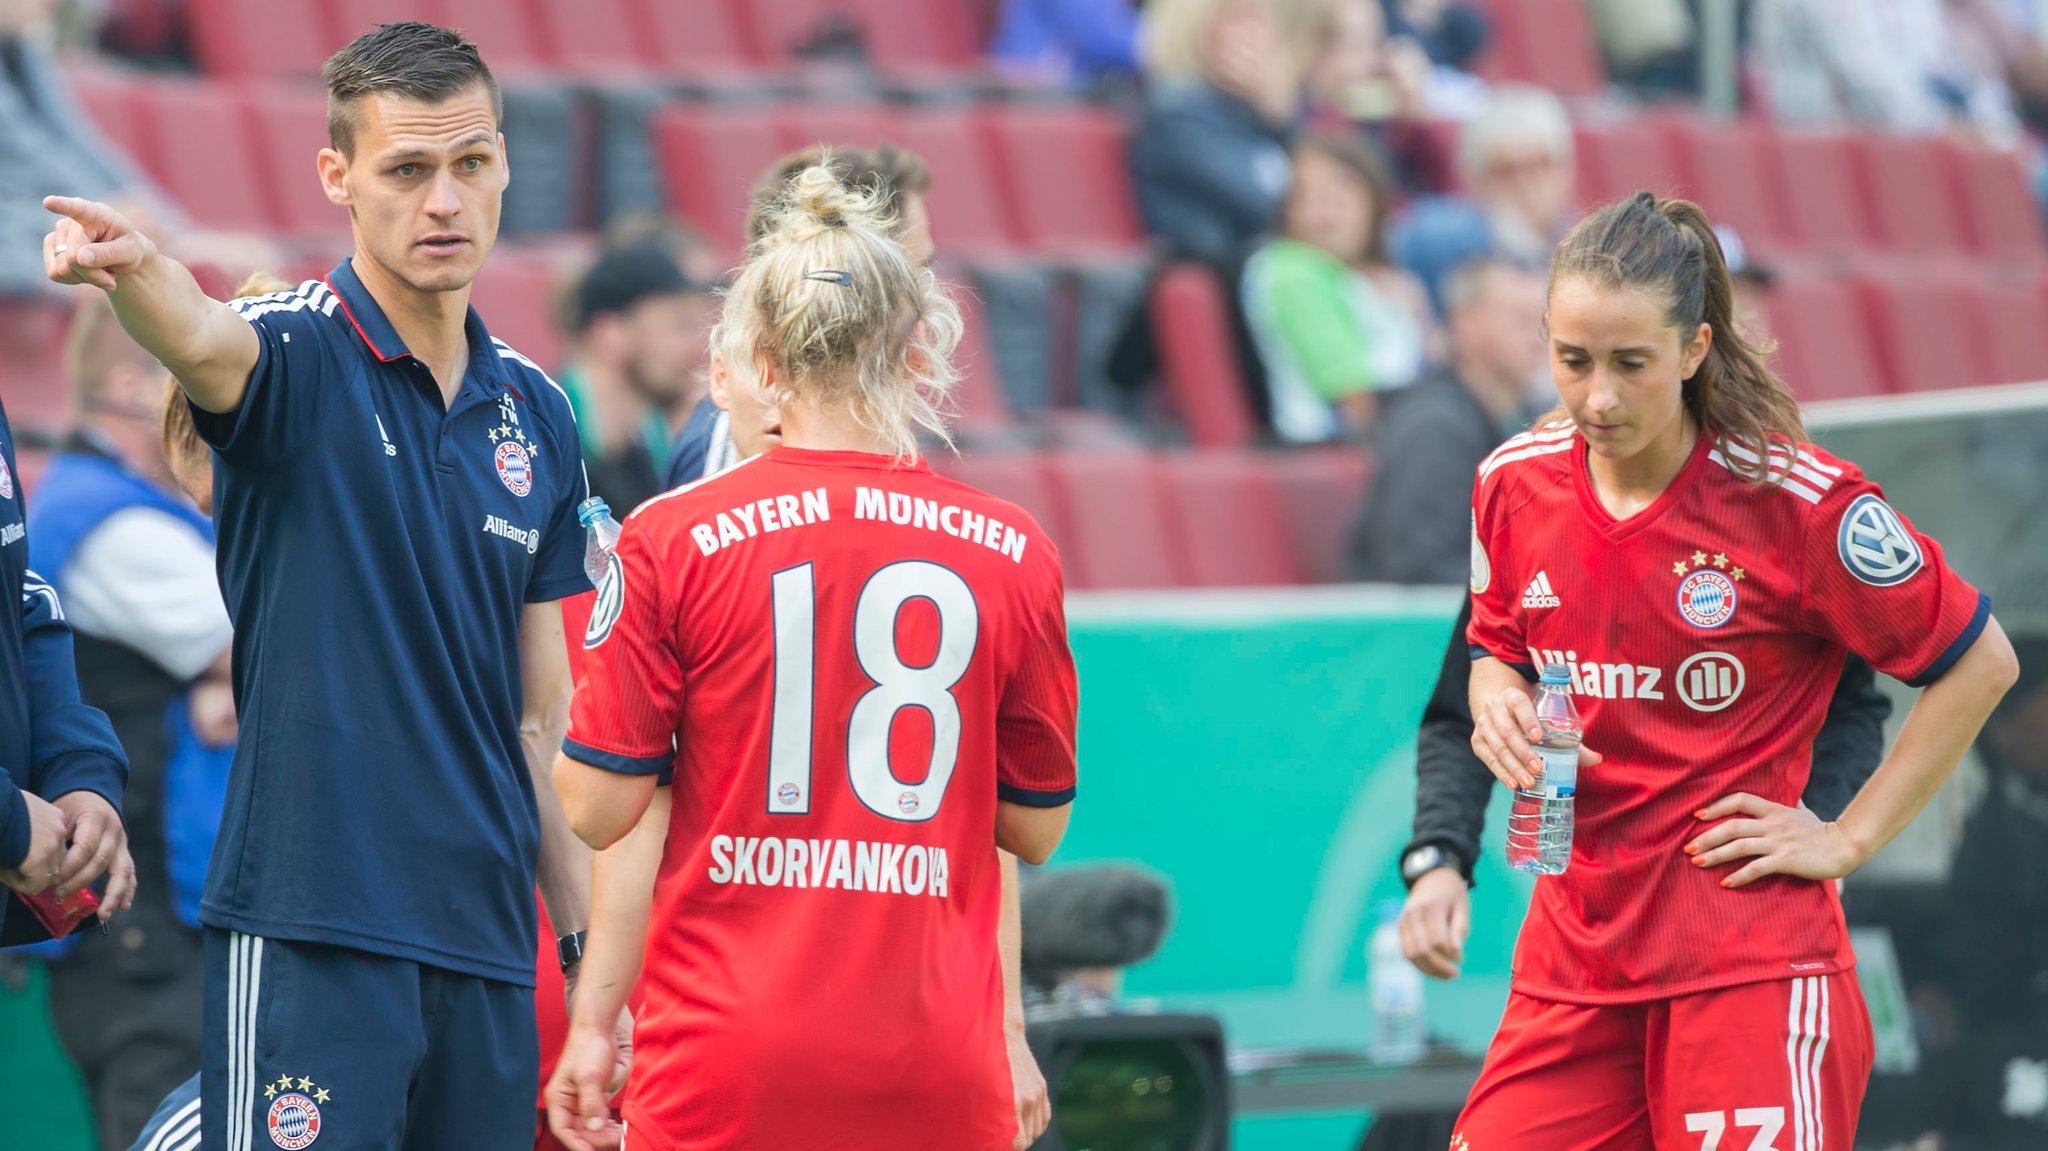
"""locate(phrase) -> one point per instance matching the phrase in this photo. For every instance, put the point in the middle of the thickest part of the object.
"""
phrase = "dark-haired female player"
(1703, 569)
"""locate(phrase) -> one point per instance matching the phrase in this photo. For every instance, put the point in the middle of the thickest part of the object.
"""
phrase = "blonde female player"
(1702, 569)
(827, 639)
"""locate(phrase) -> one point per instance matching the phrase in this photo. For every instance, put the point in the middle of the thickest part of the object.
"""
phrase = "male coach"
(395, 493)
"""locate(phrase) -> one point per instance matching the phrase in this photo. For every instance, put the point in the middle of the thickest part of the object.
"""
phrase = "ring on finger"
(63, 248)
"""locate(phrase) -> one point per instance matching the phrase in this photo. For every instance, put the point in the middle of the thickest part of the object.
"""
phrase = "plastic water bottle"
(603, 530)
(1540, 825)
(1399, 1029)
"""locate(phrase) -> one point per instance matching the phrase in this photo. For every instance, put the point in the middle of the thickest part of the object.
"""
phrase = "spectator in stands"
(1649, 44)
(1416, 527)
(1367, 81)
(1519, 166)
(1226, 81)
(1336, 324)
(134, 561)
(1897, 66)
(640, 326)
(1450, 34)
(1752, 286)
(1084, 43)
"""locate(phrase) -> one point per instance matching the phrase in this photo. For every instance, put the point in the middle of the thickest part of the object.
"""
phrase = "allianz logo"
(529, 538)
(1707, 681)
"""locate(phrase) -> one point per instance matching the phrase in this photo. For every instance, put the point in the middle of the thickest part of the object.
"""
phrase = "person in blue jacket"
(62, 773)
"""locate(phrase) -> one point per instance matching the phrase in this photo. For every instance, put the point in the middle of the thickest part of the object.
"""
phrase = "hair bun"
(819, 194)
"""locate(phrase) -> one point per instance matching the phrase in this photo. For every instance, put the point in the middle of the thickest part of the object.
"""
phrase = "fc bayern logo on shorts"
(1875, 545)
(515, 467)
(6, 480)
(294, 1121)
(907, 803)
(1707, 598)
(788, 793)
(611, 600)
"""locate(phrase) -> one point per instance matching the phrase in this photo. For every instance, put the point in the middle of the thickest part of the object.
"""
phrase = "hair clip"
(831, 276)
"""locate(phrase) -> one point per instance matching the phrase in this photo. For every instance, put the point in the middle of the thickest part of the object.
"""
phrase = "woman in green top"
(1336, 322)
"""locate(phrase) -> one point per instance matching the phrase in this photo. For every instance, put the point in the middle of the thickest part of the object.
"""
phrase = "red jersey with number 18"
(853, 660)
(1704, 635)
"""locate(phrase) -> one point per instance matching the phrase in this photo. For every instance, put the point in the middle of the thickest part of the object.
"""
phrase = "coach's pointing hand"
(91, 243)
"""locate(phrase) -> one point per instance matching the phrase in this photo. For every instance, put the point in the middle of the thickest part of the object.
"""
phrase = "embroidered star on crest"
(1699, 559)
(284, 1083)
(270, 1090)
(1678, 568)
(305, 1084)
(320, 1096)
(1737, 573)
(494, 435)
(1721, 560)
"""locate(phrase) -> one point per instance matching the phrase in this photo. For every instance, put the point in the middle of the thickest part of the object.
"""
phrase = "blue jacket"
(81, 490)
(51, 742)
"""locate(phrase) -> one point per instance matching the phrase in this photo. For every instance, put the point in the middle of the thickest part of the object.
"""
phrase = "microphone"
(1108, 916)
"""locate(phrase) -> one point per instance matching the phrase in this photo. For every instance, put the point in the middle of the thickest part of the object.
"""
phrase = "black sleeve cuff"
(613, 762)
(1947, 659)
(1009, 793)
(1528, 670)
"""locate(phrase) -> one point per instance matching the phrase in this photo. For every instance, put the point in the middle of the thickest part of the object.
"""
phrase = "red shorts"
(1761, 1067)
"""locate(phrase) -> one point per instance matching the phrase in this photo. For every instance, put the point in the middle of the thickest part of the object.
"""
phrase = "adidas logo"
(1538, 593)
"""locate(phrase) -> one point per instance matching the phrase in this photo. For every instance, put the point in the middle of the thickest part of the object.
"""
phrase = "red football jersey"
(1705, 635)
(852, 660)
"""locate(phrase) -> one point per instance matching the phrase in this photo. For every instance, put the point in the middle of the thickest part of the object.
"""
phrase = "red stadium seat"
(196, 146)
(1817, 185)
(515, 294)
(1619, 159)
(505, 31)
(968, 204)
(237, 38)
(1548, 43)
(860, 124)
(1114, 504)
(1229, 513)
(1322, 491)
(110, 99)
(349, 19)
(1907, 191)
(290, 130)
(1069, 182)
(1019, 477)
(1191, 321)
(692, 34)
(897, 34)
(1922, 329)
(1726, 166)
(983, 406)
(1824, 345)
(2008, 312)
(710, 158)
(2000, 214)
(593, 36)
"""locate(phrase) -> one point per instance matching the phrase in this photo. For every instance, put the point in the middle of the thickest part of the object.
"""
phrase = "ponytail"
(1668, 246)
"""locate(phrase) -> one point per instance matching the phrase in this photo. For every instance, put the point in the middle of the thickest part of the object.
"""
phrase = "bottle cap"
(592, 510)
(1556, 673)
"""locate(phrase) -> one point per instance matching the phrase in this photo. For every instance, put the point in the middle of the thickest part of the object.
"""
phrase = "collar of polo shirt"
(381, 338)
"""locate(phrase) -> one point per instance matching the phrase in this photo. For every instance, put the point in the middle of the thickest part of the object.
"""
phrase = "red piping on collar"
(346, 311)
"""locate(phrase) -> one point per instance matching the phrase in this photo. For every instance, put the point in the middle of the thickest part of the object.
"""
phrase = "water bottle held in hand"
(1540, 824)
(603, 531)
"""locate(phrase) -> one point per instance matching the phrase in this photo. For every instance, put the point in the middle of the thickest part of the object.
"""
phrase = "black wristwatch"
(569, 949)
(1422, 860)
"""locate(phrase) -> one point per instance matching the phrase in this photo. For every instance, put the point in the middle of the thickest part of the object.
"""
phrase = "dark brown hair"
(418, 61)
(885, 169)
(1668, 247)
(1360, 159)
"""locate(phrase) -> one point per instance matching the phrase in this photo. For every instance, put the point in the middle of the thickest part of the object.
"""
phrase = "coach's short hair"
(418, 61)
(888, 171)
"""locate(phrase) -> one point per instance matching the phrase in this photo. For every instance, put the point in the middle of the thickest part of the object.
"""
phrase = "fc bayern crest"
(294, 1121)
(1707, 598)
(515, 468)
(6, 480)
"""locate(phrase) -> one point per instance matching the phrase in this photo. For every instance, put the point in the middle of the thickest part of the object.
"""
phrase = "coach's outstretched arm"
(209, 348)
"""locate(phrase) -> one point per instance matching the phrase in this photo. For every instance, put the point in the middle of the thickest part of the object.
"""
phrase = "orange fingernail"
(1700, 814)
(1728, 882)
(1699, 861)
(1691, 850)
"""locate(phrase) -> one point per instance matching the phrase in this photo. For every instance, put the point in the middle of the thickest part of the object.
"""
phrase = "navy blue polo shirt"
(376, 549)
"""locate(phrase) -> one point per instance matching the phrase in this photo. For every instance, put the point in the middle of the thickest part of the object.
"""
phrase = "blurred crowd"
(1382, 215)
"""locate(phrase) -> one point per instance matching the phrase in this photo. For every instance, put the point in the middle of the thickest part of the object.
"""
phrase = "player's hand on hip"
(98, 841)
(91, 243)
(578, 1112)
(1435, 921)
(1777, 840)
(44, 863)
(1027, 1087)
